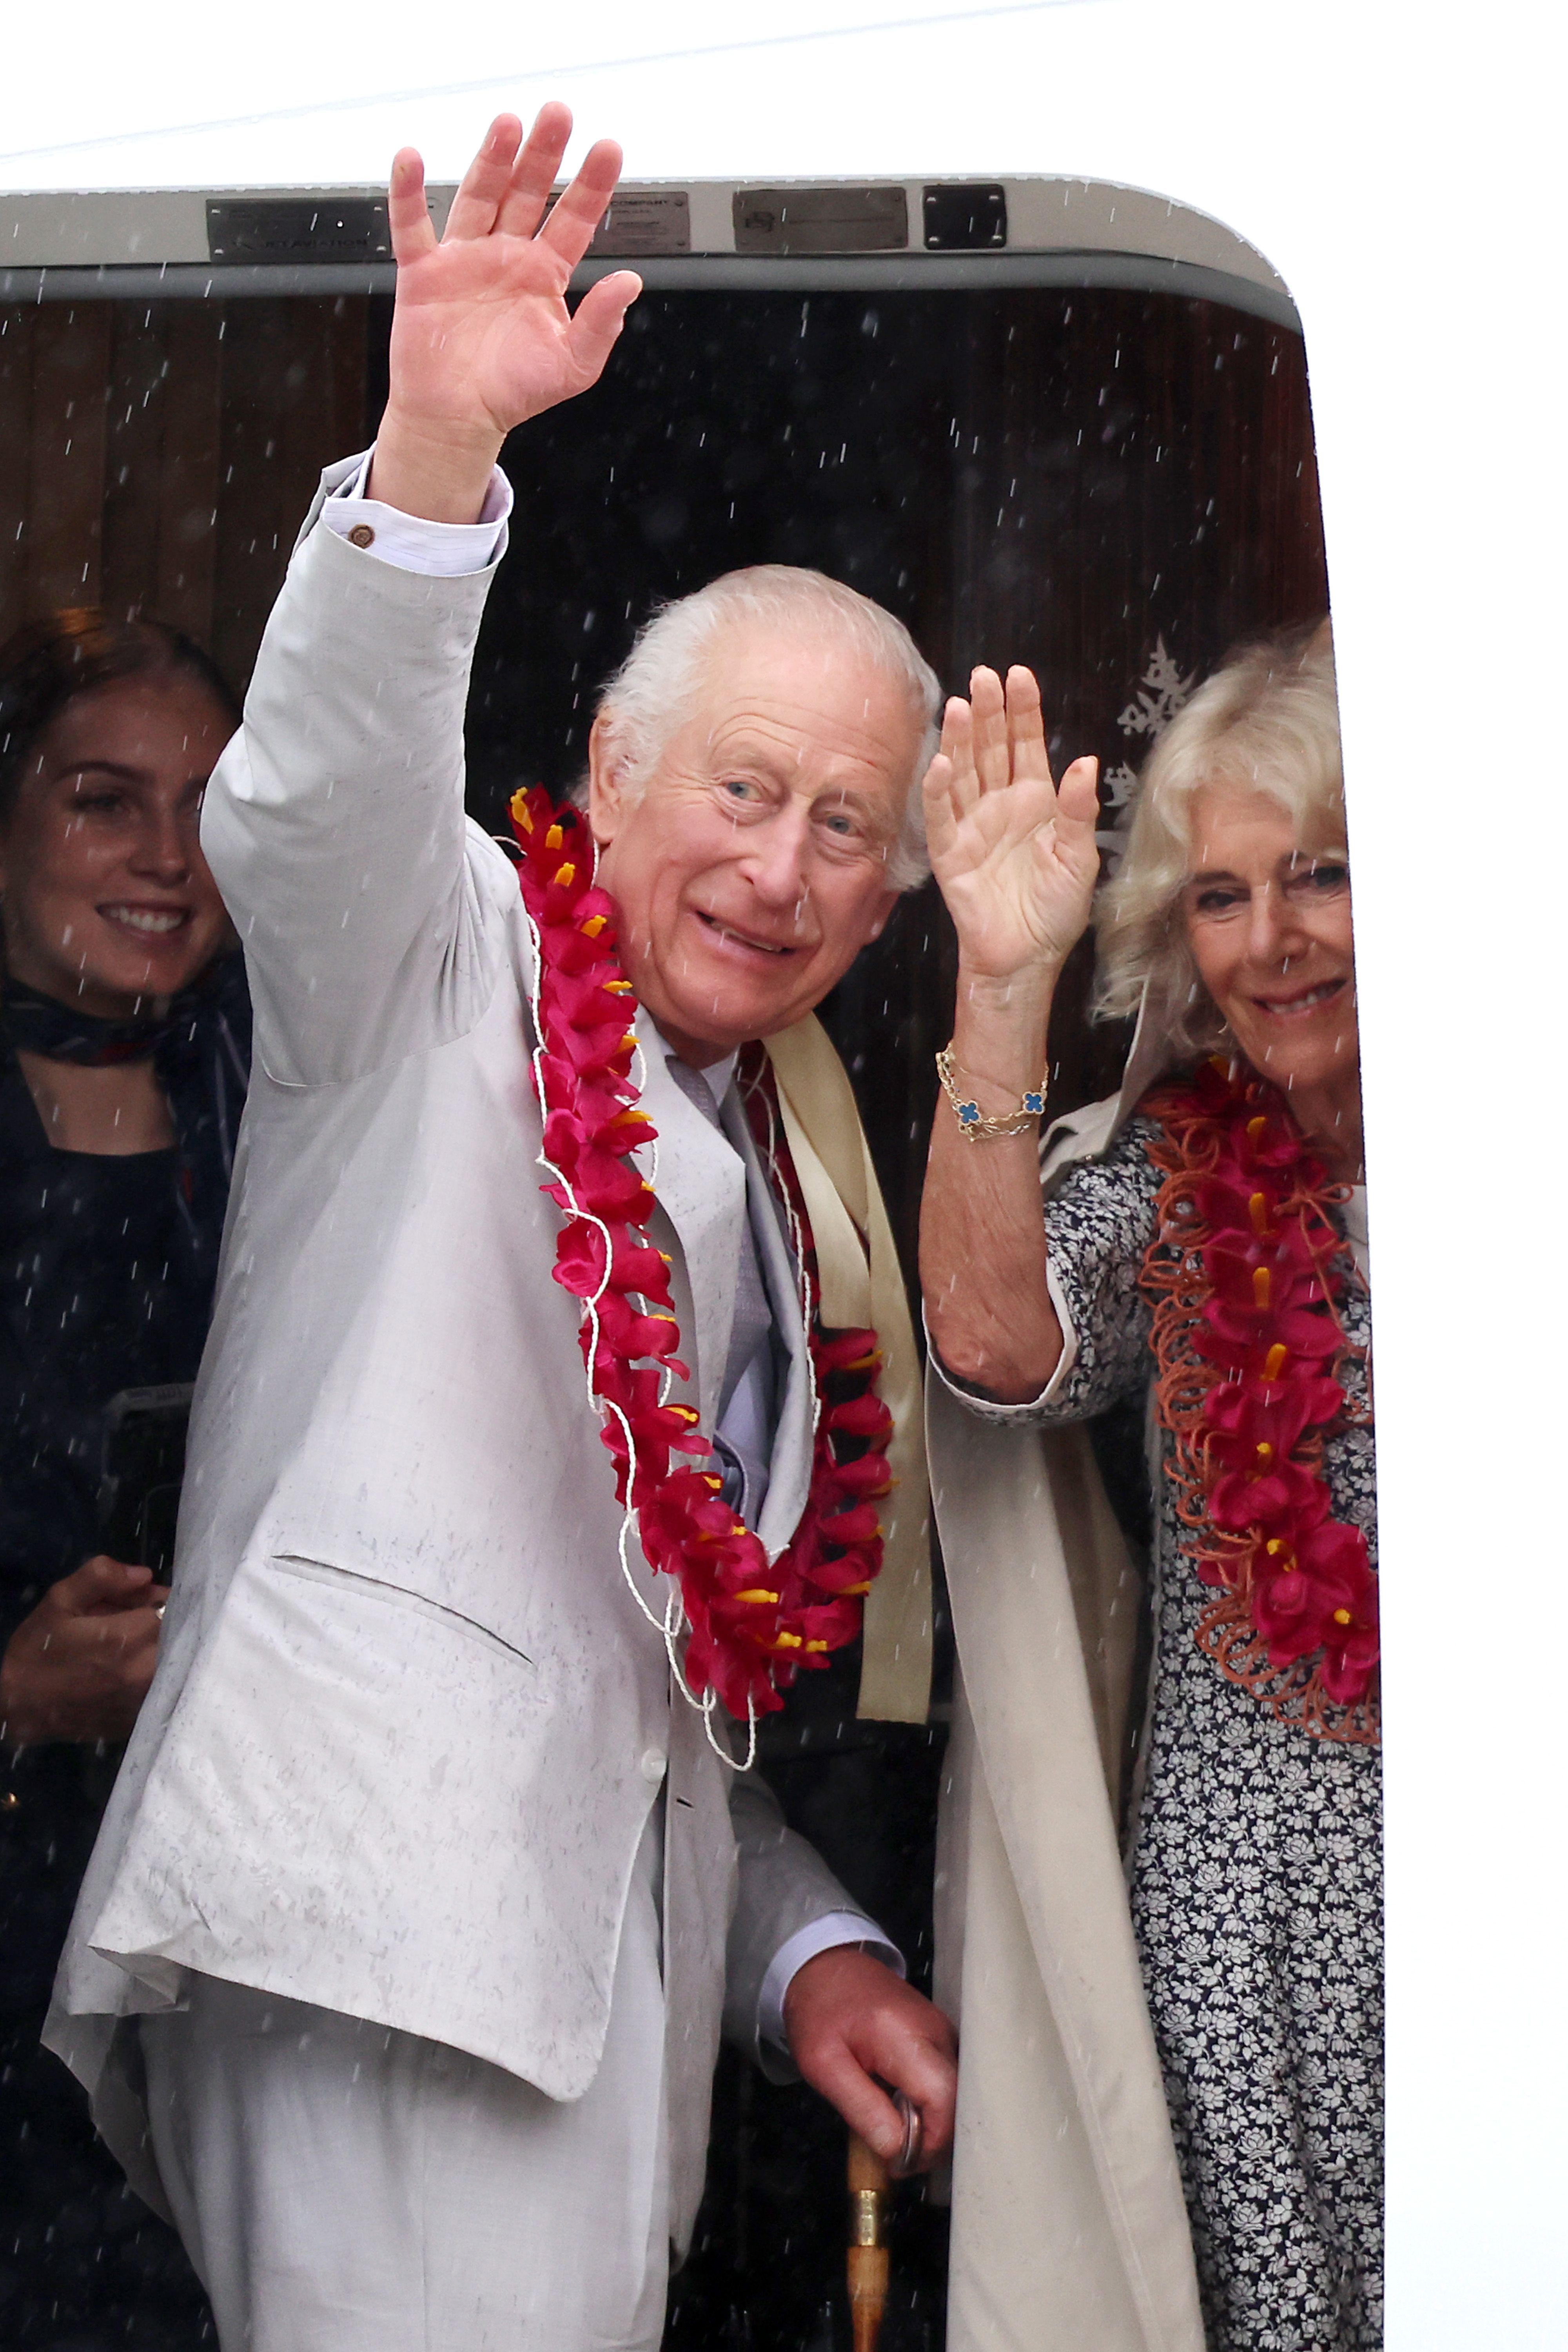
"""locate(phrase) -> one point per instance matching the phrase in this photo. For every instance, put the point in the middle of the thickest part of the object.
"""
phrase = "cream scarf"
(862, 1284)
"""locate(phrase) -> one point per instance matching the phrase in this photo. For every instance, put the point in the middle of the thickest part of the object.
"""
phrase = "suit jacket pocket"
(397, 1596)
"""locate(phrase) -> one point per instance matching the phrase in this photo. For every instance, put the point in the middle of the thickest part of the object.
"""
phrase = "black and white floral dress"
(1254, 1859)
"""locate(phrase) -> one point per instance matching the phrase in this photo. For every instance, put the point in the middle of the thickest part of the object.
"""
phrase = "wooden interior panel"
(256, 342)
(185, 574)
(65, 491)
(133, 470)
(17, 327)
(158, 457)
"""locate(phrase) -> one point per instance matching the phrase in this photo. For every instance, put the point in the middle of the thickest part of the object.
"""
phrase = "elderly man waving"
(398, 1973)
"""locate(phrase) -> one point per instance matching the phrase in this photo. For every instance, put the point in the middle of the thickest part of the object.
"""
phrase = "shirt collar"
(720, 1075)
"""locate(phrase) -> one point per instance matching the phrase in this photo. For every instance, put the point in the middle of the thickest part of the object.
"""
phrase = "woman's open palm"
(1013, 855)
(482, 336)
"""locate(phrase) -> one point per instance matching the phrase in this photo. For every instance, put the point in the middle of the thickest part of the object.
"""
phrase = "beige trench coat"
(1069, 2229)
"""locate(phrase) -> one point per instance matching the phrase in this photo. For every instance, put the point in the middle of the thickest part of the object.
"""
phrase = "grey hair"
(648, 698)
(1268, 722)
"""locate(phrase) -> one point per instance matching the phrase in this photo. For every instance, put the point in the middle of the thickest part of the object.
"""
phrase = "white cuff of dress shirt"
(995, 1409)
(442, 550)
(824, 1935)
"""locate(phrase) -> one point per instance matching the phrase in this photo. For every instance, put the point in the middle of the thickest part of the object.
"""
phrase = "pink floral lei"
(752, 1624)
(1242, 1275)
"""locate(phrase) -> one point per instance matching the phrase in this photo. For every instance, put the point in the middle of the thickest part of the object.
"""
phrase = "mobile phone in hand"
(143, 1468)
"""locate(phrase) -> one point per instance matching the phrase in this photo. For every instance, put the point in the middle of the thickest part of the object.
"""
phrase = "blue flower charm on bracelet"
(972, 1125)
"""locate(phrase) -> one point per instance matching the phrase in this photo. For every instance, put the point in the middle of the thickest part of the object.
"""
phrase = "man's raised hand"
(1013, 855)
(482, 336)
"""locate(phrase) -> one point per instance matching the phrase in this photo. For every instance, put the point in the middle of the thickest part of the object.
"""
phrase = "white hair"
(1268, 722)
(649, 696)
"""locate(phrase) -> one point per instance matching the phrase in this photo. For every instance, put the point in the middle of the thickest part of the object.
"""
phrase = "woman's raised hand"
(1014, 853)
(482, 336)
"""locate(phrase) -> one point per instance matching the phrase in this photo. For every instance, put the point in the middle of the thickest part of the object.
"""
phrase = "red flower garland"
(753, 1626)
(1243, 1278)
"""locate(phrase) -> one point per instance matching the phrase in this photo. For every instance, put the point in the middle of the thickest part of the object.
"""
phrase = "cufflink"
(362, 535)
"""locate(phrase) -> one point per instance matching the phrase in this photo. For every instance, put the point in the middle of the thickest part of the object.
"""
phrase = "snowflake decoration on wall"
(1160, 694)
(1163, 689)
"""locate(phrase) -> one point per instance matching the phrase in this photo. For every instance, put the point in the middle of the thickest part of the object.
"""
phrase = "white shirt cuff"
(824, 1935)
(995, 1409)
(441, 550)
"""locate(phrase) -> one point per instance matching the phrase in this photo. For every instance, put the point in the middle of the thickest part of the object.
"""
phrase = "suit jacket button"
(652, 1767)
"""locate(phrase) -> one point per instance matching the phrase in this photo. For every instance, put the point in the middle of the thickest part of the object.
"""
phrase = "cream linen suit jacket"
(408, 1723)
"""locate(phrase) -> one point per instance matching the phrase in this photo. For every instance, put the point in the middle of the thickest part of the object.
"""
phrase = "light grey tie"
(748, 1411)
(753, 1316)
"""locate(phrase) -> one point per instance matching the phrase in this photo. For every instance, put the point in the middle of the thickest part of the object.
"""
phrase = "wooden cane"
(868, 2258)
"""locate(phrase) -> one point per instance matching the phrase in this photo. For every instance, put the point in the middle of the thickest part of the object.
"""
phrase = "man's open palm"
(482, 336)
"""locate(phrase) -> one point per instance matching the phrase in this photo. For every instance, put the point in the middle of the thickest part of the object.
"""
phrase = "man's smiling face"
(750, 867)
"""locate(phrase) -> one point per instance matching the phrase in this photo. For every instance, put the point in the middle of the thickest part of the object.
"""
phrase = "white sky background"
(177, 93)
(1396, 164)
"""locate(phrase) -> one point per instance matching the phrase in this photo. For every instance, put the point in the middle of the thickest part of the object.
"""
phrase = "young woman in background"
(124, 1055)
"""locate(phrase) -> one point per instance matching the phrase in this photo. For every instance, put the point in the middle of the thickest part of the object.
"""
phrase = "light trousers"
(344, 2188)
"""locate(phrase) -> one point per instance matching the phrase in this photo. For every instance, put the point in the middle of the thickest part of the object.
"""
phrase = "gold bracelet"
(971, 1124)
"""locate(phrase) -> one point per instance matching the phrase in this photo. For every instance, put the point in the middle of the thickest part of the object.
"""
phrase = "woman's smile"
(1298, 1007)
(155, 922)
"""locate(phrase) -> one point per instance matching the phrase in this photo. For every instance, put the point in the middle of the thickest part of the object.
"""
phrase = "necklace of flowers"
(1243, 1275)
(749, 1625)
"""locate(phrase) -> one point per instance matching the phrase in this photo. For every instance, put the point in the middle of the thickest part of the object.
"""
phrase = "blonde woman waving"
(1199, 1258)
